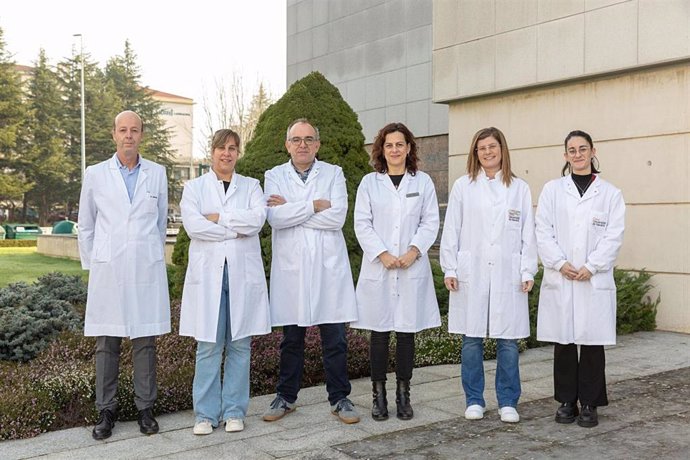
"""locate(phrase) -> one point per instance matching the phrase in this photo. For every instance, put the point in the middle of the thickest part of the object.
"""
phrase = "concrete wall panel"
(664, 32)
(611, 37)
(511, 14)
(516, 58)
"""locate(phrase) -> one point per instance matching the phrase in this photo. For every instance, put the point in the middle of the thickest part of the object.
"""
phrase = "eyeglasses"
(582, 151)
(487, 148)
(297, 141)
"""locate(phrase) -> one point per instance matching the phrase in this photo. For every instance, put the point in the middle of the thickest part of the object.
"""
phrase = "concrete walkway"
(648, 417)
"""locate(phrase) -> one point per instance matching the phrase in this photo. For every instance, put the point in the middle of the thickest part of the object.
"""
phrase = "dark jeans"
(108, 368)
(581, 380)
(404, 355)
(334, 349)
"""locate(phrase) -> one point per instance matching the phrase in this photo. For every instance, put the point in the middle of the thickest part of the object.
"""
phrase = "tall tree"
(124, 75)
(228, 108)
(44, 160)
(12, 114)
(101, 106)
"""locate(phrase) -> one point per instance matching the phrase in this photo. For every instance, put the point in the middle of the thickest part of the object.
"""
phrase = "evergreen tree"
(260, 102)
(122, 72)
(12, 114)
(43, 156)
(101, 107)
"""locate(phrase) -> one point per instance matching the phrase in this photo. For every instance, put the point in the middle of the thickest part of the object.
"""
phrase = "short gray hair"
(298, 121)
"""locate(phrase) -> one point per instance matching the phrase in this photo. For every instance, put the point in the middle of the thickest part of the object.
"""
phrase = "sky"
(182, 47)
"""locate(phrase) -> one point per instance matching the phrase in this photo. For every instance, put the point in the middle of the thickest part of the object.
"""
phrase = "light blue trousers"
(215, 401)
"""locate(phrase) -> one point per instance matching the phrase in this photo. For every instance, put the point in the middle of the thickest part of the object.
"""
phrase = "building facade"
(618, 69)
(378, 54)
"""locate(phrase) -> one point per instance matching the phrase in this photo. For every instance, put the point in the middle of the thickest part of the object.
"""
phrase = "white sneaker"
(474, 412)
(509, 414)
(233, 425)
(203, 427)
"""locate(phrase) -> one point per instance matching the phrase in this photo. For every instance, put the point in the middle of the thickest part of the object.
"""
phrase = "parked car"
(174, 217)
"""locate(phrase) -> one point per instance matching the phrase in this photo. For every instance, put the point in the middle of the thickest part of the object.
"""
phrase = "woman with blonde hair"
(488, 255)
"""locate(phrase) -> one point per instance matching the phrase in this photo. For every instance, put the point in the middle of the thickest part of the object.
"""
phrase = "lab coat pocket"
(254, 268)
(156, 248)
(372, 270)
(464, 266)
(603, 281)
(194, 268)
(287, 254)
(552, 279)
(101, 250)
(516, 273)
(150, 204)
(333, 250)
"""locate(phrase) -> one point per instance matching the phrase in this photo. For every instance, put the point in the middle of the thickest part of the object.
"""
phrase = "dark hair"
(378, 160)
(222, 136)
(577, 133)
(473, 164)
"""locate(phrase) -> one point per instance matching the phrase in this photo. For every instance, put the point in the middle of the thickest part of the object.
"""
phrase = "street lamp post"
(83, 116)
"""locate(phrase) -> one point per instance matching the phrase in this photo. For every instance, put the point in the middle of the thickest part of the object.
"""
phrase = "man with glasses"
(311, 280)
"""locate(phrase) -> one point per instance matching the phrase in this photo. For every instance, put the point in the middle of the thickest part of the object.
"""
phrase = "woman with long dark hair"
(396, 222)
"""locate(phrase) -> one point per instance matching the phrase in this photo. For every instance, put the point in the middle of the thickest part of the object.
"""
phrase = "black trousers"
(404, 355)
(580, 379)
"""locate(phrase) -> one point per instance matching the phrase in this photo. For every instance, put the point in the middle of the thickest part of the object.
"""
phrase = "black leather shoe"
(567, 413)
(104, 426)
(588, 417)
(147, 424)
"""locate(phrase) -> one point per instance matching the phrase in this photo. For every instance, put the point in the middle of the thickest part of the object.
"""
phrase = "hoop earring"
(595, 163)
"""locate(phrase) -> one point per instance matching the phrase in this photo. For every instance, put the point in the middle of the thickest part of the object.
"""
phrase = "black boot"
(402, 400)
(379, 408)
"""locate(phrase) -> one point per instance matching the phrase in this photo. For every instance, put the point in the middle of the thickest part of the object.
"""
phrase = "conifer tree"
(12, 114)
(43, 157)
(122, 72)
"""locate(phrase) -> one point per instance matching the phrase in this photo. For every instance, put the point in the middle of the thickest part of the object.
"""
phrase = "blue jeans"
(334, 349)
(507, 371)
(211, 401)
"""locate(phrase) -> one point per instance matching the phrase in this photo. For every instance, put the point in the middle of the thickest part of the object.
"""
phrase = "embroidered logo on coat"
(514, 215)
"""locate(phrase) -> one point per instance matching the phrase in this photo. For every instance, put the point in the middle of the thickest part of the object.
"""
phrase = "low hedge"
(18, 243)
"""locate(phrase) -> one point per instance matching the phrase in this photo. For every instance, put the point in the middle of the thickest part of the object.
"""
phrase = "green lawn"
(24, 264)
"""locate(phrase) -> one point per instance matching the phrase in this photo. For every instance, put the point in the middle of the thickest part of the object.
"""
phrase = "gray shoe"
(345, 411)
(278, 409)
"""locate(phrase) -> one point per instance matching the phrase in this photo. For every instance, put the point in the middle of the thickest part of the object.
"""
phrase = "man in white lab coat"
(311, 281)
(122, 222)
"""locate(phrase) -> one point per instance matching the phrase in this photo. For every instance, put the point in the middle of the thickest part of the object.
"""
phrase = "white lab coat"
(235, 239)
(585, 231)
(488, 244)
(311, 280)
(122, 245)
(390, 219)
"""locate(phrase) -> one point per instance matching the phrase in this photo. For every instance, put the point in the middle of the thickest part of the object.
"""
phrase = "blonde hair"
(473, 164)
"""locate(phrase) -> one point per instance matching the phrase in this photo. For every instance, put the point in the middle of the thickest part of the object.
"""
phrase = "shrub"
(342, 143)
(33, 315)
(18, 243)
(636, 311)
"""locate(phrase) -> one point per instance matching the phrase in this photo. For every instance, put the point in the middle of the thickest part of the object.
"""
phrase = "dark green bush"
(342, 143)
(33, 315)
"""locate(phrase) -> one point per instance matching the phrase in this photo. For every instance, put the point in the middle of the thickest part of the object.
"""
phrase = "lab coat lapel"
(386, 182)
(313, 174)
(231, 189)
(119, 181)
